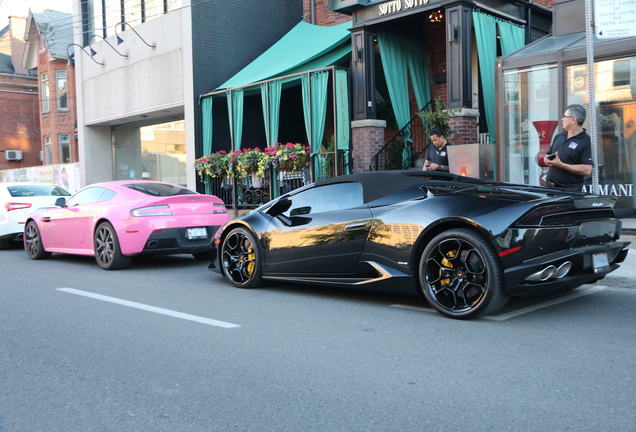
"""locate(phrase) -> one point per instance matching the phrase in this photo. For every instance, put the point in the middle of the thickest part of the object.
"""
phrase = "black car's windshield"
(159, 189)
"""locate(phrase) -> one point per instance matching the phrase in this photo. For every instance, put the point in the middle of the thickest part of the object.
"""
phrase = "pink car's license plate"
(196, 233)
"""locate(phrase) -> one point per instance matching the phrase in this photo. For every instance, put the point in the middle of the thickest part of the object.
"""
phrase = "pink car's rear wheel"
(107, 252)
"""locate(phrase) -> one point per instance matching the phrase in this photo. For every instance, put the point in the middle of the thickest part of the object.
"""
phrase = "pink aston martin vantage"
(117, 220)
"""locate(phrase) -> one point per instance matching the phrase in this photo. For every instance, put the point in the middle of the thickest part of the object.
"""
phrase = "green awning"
(300, 46)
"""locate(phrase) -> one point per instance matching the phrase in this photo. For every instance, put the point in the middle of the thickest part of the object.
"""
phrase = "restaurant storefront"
(409, 52)
(539, 81)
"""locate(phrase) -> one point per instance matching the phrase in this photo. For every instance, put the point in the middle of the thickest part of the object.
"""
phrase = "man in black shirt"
(436, 155)
(570, 156)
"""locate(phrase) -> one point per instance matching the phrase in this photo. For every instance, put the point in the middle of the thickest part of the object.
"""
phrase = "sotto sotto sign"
(615, 18)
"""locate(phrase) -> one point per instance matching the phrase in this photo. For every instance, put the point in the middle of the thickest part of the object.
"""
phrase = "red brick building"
(48, 34)
(19, 106)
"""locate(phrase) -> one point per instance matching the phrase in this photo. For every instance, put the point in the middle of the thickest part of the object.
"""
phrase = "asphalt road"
(167, 345)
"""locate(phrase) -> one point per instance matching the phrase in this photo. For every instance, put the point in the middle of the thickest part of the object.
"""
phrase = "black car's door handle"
(355, 226)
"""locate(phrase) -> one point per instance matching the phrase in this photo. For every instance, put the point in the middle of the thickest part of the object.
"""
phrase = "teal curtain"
(418, 66)
(319, 82)
(512, 37)
(486, 35)
(314, 93)
(235, 111)
(206, 126)
(304, 81)
(394, 64)
(265, 105)
(270, 98)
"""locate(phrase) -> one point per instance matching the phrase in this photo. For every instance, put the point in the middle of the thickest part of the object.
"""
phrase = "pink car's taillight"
(221, 210)
(160, 210)
(16, 206)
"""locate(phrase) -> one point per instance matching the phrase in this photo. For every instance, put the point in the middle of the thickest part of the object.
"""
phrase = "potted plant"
(439, 118)
(250, 161)
(289, 157)
(213, 165)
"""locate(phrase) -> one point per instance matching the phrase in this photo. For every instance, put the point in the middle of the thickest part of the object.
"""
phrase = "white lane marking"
(518, 312)
(148, 308)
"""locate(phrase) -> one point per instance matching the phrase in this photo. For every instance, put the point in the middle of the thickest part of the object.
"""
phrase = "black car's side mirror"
(280, 207)
(60, 202)
(300, 211)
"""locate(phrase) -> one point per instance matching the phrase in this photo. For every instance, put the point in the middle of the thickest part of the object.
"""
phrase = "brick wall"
(322, 16)
(19, 120)
(58, 121)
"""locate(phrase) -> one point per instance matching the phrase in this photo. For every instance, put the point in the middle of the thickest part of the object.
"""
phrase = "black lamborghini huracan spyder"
(464, 244)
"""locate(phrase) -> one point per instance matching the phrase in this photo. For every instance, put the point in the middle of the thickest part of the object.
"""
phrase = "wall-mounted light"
(453, 33)
(115, 49)
(120, 40)
(71, 57)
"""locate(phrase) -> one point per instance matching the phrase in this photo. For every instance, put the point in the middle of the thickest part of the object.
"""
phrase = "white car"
(19, 200)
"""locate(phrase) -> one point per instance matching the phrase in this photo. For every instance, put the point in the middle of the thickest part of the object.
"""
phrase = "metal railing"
(405, 147)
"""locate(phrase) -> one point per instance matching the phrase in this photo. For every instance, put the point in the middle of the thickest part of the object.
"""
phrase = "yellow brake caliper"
(250, 256)
(446, 263)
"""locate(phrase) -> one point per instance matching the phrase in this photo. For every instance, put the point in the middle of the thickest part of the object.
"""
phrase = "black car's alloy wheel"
(240, 258)
(107, 252)
(33, 242)
(460, 275)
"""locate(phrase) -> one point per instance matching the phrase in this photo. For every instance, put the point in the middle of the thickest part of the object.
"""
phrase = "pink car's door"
(69, 225)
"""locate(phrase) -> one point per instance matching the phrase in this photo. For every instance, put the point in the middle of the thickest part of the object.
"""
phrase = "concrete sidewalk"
(629, 224)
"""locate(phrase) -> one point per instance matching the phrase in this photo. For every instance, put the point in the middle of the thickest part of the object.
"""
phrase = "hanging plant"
(289, 157)
(213, 165)
(250, 161)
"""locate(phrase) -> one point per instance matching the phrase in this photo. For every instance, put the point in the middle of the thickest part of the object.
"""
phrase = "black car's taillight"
(535, 217)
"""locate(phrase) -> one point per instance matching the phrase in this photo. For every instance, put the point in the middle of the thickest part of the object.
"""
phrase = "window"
(62, 94)
(90, 195)
(45, 92)
(65, 148)
(101, 16)
(48, 152)
(326, 198)
(174, 4)
(530, 120)
(112, 16)
(36, 190)
(133, 12)
(151, 152)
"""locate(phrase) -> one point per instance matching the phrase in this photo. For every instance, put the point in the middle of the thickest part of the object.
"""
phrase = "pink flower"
(222, 152)
(292, 157)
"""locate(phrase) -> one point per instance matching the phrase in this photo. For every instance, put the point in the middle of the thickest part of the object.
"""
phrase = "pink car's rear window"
(159, 189)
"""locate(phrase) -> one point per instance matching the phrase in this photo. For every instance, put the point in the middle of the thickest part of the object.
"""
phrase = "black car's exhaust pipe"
(542, 275)
(550, 272)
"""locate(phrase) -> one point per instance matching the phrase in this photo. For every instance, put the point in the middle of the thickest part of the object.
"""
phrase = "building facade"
(445, 50)
(140, 67)
(48, 33)
(19, 106)
(537, 84)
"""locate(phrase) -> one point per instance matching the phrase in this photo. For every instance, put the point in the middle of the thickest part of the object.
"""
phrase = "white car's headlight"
(160, 210)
